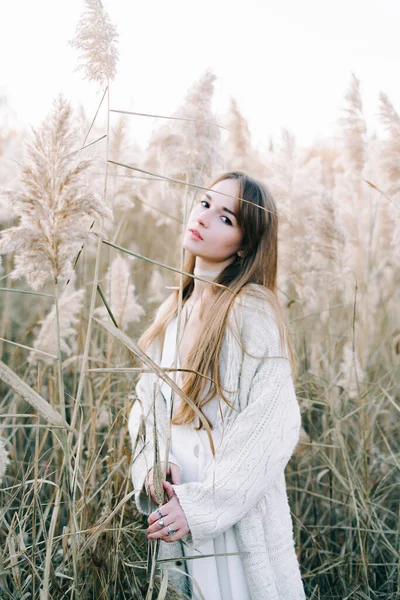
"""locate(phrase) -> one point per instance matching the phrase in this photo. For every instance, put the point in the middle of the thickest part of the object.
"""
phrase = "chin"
(189, 247)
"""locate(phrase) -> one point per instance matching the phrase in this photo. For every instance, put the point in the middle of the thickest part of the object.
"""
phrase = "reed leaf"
(157, 471)
(102, 296)
(103, 137)
(17, 291)
(155, 262)
(164, 586)
(13, 381)
(128, 112)
(33, 350)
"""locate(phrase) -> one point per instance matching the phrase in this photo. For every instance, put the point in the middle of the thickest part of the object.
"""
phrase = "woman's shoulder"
(254, 318)
(255, 301)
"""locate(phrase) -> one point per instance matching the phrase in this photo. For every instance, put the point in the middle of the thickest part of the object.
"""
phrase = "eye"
(228, 221)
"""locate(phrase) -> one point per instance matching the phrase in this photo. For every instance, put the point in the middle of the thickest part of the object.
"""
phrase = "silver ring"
(161, 523)
(170, 530)
(159, 512)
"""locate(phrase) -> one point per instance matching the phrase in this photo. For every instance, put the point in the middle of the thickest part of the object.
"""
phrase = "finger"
(155, 526)
(150, 487)
(172, 538)
(149, 476)
(169, 489)
(154, 516)
(150, 491)
(148, 483)
(166, 509)
(180, 533)
(162, 533)
(175, 473)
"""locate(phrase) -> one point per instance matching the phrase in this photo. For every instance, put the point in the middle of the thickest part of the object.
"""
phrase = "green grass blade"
(102, 296)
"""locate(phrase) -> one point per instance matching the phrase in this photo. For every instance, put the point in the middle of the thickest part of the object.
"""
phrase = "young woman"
(228, 448)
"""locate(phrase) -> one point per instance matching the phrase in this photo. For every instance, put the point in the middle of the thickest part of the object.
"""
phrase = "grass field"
(91, 227)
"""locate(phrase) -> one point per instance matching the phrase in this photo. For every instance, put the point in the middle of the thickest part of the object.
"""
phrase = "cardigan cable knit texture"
(244, 485)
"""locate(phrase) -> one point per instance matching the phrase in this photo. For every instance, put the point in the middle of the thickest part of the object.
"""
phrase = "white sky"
(287, 62)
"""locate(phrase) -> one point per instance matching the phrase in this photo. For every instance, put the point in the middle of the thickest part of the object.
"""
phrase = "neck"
(205, 272)
(209, 271)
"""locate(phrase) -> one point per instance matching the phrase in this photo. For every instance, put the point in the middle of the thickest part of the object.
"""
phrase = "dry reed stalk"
(177, 338)
(45, 589)
(94, 288)
(95, 37)
(158, 475)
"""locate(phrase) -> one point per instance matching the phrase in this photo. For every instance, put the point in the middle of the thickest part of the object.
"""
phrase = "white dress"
(219, 577)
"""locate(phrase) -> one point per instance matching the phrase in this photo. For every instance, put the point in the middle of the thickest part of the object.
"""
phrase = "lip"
(196, 233)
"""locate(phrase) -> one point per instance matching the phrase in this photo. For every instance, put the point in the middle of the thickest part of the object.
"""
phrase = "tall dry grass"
(69, 527)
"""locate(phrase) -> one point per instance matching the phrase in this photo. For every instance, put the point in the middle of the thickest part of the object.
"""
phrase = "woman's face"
(212, 217)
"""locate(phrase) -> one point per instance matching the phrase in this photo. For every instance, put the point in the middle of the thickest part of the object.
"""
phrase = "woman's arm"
(256, 449)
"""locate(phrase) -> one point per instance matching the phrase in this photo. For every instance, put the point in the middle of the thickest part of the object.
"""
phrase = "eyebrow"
(228, 210)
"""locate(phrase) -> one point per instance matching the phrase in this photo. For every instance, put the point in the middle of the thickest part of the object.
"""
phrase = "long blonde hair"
(258, 264)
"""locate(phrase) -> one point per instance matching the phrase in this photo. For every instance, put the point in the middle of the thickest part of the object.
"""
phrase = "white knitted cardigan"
(244, 485)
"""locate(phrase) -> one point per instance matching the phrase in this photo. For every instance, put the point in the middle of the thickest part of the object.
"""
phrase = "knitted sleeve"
(258, 445)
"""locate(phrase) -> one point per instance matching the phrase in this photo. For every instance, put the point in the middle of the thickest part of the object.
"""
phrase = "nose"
(202, 219)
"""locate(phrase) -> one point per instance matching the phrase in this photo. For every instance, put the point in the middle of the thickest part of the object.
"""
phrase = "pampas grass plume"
(54, 205)
(156, 287)
(120, 293)
(4, 460)
(184, 149)
(351, 372)
(70, 304)
(354, 128)
(95, 37)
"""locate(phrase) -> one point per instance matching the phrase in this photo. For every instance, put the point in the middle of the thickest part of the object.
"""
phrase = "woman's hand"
(172, 514)
(173, 471)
